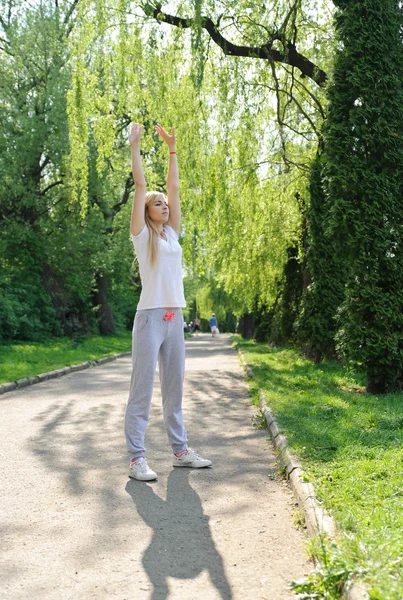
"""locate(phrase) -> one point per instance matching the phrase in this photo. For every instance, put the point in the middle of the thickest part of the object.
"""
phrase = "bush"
(26, 311)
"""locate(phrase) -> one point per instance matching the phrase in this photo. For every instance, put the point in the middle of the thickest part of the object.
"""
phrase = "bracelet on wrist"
(172, 153)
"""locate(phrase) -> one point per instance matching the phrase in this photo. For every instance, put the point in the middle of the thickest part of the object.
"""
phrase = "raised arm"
(173, 179)
(137, 221)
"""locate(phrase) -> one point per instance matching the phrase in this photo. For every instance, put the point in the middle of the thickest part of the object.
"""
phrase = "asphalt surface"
(73, 525)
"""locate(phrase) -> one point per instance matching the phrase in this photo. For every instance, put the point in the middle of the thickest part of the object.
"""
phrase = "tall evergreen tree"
(316, 325)
(364, 184)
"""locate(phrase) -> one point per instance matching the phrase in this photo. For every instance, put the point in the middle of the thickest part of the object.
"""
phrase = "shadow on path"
(182, 546)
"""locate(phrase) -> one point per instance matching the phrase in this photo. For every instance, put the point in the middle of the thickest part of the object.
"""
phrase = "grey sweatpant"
(156, 339)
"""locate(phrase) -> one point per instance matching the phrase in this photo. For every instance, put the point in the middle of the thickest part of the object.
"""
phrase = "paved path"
(74, 526)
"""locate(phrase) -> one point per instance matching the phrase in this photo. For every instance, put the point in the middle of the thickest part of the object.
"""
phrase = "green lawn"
(351, 445)
(27, 359)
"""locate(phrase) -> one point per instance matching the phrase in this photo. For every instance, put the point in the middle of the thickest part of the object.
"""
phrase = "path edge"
(317, 520)
(25, 382)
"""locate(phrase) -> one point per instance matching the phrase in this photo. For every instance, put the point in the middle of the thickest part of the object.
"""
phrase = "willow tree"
(364, 184)
(247, 134)
(271, 60)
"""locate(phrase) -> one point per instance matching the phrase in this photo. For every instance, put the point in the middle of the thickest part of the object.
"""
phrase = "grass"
(351, 445)
(27, 359)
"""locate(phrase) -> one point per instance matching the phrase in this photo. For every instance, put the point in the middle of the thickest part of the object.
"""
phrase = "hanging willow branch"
(289, 56)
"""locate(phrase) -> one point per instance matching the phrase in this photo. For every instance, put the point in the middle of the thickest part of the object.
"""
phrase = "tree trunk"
(104, 314)
(246, 326)
(374, 384)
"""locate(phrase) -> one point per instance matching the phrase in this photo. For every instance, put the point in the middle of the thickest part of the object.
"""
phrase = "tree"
(32, 138)
(363, 176)
(316, 323)
(122, 69)
(237, 174)
(52, 263)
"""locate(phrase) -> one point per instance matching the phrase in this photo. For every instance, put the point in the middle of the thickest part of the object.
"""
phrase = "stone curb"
(317, 520)
(21, 383)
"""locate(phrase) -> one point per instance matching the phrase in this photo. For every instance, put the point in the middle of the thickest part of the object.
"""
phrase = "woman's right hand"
(135, 132)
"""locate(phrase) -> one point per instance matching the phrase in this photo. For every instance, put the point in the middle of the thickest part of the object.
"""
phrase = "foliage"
(363, 156)
(263, 324)
(22, 311)
(237, 175)
(334, 572)
(286, 308)
(203, 297)
(316, 324)
(35, 302)
(74, 77)
(49, 255)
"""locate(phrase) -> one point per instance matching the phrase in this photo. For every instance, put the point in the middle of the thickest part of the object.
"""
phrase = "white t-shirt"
(162, 286)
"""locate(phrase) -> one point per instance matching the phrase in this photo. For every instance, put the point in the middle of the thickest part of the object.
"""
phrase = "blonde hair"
(151, 199)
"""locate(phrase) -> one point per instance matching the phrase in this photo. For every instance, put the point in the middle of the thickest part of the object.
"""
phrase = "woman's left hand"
(168, 139)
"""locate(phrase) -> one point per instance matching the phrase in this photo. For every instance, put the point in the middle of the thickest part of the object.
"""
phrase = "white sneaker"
(141, 471)
(192, 460)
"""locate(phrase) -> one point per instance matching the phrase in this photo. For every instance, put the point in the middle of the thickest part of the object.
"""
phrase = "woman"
(158, 324)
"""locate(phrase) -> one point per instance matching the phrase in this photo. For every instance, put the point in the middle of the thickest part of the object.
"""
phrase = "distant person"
(196, 325)
(213, 325)
(158, 324)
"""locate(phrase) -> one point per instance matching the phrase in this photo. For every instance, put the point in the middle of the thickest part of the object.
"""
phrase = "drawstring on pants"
(169, 316)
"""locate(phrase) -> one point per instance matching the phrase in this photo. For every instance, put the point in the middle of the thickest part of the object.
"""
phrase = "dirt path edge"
(317, 520)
